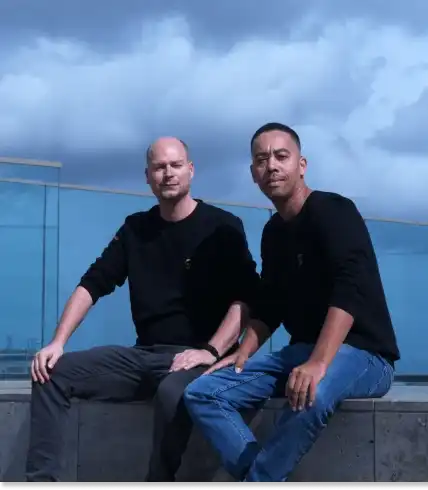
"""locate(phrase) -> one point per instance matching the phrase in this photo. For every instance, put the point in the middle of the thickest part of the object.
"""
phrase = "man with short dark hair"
(190, 277)
(319, 278)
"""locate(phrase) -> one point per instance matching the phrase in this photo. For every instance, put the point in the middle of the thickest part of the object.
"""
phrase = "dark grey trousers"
(112, 373)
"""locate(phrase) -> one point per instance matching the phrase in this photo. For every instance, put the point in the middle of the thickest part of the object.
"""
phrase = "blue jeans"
(214, 402)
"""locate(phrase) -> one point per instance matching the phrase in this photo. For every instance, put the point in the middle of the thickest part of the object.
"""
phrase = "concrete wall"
(367, 440)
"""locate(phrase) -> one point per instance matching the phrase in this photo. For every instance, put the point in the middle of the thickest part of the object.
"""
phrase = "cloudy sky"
(92, 82)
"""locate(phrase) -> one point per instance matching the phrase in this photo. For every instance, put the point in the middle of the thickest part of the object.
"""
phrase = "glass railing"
(49, 234)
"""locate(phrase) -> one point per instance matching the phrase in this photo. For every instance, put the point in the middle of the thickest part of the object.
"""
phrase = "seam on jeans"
(353, 382)
(370, 362)
(385, 372)
(234, 384)
(231, 385)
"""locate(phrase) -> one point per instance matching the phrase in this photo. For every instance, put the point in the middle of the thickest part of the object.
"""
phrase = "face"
(277, 167)
(169, 172)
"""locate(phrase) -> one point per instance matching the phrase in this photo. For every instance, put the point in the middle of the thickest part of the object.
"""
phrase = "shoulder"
(332, 214)
(218, 215)
(140, 218)
(326, 205)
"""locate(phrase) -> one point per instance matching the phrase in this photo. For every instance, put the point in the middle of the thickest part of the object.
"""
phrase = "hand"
(302, 384)
(191, 358)
(237, 358)
(45, 359)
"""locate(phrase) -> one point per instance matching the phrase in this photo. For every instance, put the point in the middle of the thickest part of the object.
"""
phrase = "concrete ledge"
(367, 440)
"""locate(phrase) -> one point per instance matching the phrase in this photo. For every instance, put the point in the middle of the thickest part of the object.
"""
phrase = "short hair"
(275, 126)
(149, 151)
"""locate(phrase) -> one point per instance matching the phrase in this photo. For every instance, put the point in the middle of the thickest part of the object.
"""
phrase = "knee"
(323, 406)
(197, 390)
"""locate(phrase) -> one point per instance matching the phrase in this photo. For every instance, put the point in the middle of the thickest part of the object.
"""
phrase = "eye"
(281, 156)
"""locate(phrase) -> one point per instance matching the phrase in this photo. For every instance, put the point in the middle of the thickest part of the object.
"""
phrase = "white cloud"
(339, 90)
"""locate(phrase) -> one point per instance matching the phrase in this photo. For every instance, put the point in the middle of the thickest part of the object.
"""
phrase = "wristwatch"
(210, 348)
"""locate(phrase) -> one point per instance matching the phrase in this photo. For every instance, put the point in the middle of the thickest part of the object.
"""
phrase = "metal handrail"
(210, 201)
(30, 161)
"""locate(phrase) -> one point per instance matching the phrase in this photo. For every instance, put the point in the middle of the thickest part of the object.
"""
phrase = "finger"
(43, 360)
(191, 364)
(295, 389)
(303, 393)
(312, 393)
(39, 376)
(240, 362)
(227, 361)
(179, 362)
(53, 361)
(176, 366)
(33, 372)
(290, 384)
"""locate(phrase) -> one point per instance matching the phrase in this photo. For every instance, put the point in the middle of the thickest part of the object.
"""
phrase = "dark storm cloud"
(93, 83)
(109, 24)
(407, 135)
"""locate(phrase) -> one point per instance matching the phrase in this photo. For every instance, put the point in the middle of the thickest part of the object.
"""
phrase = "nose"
(271, 164)
(168, 172)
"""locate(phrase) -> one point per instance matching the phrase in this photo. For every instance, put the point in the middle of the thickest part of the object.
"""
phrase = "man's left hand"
(191, 358)
(302, 384)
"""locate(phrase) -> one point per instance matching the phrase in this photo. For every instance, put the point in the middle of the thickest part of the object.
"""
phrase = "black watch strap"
(210, 348)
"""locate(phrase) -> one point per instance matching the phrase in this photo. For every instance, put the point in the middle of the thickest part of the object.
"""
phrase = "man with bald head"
(191, 277)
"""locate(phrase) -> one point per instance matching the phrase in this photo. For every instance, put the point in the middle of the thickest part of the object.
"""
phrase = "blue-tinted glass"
(39, 173)
(51, 249)
(45, 253)
(21, 274)
(254, 220)
(89, 220)
(402, 251)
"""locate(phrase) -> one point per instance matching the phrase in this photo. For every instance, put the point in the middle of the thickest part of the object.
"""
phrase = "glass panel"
(21, 275)
(39, 173)
(51, 237)
(254, 219)
(88, 222)
(42, 261)
(402, 251)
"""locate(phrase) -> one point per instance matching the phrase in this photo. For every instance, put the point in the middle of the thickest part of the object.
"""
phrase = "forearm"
(230, 328)
(255, 336)
(74, 312)
(335, 330)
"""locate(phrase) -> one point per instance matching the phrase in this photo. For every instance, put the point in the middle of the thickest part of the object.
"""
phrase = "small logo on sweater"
(187, 264)
(300, 259)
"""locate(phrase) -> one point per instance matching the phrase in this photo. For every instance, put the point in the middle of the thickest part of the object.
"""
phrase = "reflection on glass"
(49, 236)
(89, 220)
(402, 251)
(21, 275)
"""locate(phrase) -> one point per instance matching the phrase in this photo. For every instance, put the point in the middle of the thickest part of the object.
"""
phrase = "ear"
(302, 166)
(147, 175)
(253, 174)
(192, 169)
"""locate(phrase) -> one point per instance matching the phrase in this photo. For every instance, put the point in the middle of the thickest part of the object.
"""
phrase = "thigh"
(169, 393)
(354, 373)
(103, 373)
(262, 377)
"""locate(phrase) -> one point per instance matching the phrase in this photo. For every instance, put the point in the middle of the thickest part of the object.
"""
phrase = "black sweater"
(321, 258)
(183, 276)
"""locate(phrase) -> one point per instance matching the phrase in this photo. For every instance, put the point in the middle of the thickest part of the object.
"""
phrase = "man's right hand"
(45, 359)
(238, 359)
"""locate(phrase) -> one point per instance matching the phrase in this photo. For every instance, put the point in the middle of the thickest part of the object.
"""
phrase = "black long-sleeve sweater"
(183, 276)
(324, 258)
